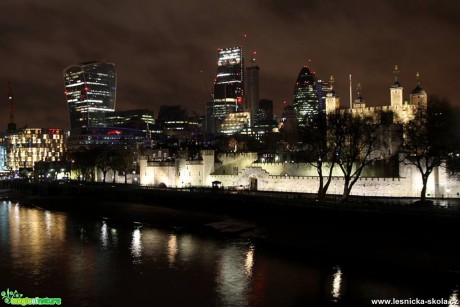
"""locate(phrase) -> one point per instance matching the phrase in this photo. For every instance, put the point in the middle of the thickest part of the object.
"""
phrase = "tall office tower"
(209, 115)
(252, 89)
(90, 90)
(305, 101)
(323, 88)
(229, 84)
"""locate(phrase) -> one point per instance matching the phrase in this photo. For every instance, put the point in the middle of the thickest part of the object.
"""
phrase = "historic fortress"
(241, 170)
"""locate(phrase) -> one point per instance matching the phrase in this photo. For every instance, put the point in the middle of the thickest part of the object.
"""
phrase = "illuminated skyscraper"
(305, 101)
(229, 84)
(90, 90)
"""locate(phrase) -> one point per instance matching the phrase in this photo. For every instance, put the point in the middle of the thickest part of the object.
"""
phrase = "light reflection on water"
(233, 282)
(336, 284)
(136, 245)
(172, 249)
(45, 253)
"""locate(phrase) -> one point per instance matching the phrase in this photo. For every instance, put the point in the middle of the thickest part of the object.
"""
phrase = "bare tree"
(104, 156)
(321, 151)
(124, 157)
(84, 163)
(429, 138)
(356, 142)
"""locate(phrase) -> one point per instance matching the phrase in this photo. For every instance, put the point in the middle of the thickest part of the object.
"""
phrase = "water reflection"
(114, 237)
(234, 273)
(187, 247)
(83, 260)
(104, 234)
(48, 223)
(34, 235)
(336, 284)
(249, 263)
(136, 246)
(172, 249)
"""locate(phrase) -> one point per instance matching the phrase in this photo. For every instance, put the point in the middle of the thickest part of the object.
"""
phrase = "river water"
(97, 262)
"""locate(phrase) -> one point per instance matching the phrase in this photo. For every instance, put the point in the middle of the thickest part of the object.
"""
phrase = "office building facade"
(29, 145)
(229, 84)
(305, 101)
(90, 90)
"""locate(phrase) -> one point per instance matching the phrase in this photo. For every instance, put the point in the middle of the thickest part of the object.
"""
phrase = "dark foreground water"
(96, 262)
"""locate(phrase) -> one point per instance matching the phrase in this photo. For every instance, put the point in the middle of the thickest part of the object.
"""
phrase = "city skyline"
(165, 52)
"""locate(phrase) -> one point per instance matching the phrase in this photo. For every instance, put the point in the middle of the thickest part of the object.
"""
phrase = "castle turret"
(359, 101)
(332, 100)
(418, 96)
(396, 90)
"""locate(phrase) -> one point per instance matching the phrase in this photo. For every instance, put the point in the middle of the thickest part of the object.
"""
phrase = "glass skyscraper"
(305, 101)
(229, 83)
(90, 90)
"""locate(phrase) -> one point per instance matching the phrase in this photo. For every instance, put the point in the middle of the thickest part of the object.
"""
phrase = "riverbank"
(360, 234)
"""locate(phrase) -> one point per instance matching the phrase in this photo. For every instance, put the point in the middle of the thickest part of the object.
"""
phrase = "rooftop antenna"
(351, 95)
(253, 57)
(208, 91)
(417, 78)
(11, 124)
(396, 73)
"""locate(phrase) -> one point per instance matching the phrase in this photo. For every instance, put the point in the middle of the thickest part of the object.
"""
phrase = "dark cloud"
(165, 51)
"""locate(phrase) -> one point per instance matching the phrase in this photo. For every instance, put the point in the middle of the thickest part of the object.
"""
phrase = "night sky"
(159, 48)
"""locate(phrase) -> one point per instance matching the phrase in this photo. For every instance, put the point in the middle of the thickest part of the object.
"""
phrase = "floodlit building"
(30, 145)
(239, 122)
(403, 109)
(243, 170)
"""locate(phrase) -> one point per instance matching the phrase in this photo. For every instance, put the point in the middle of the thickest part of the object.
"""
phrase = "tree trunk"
(321, 191)
(346, 190)
(423, 193)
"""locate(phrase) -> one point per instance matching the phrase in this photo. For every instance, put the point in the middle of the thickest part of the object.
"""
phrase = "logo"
(15, 298)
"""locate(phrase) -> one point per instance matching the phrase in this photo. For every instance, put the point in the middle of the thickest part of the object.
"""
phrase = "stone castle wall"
(291, 177)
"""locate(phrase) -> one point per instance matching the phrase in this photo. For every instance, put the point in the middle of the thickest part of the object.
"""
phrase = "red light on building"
(112, 132)
(53, 131)
(239, 100)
